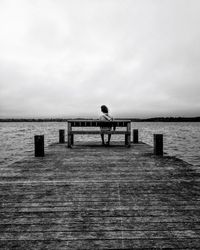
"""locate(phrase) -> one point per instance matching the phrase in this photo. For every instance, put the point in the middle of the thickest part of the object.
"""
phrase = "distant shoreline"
(155, 119)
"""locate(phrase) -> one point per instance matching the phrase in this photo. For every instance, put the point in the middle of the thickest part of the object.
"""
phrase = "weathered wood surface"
(93, 197)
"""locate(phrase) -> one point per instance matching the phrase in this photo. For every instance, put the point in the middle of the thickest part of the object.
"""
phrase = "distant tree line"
(33, 120)
(168, 119)
(155, 119)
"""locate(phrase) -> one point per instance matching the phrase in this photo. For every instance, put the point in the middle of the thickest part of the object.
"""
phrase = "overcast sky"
(68, 57)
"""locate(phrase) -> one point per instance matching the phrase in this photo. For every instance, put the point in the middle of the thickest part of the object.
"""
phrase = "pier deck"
(93, 197)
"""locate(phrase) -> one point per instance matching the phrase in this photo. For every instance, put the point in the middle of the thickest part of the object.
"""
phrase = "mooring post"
(158, 144)
(61, 136)
(39, 145)
(135, 135)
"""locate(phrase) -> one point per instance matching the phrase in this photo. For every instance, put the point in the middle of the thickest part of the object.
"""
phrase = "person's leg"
(102, 138)
(109, 137)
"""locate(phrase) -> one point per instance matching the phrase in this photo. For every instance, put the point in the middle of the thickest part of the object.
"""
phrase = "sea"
(181, 139)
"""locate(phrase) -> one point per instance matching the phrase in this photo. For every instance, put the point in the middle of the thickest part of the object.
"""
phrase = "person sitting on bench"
(105, 117)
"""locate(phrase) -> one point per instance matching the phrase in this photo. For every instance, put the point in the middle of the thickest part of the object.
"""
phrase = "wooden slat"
(95, 120)
(96, 132)
(98, 123)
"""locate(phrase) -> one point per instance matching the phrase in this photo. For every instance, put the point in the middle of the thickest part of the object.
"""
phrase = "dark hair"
(104, 109)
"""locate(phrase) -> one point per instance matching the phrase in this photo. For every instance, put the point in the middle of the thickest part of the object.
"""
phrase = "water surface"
(180, 139)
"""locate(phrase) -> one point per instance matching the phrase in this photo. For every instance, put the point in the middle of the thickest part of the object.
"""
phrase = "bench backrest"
(98, 123)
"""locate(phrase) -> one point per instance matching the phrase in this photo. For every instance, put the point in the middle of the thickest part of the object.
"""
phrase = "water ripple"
(180, 139)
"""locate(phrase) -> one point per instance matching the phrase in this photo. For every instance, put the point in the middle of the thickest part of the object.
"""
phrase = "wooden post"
(135, 135)
(128, 136)
(158, 144)
(72, 139)
(69, 135)
(39, 145)
(126, 139)
(61, 136)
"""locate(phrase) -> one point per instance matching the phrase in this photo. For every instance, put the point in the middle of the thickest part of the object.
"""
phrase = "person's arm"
(108, 118)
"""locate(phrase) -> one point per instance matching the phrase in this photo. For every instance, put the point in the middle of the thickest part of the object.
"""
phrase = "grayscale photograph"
(99, 124)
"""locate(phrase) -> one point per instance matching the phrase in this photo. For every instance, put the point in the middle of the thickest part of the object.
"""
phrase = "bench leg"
(69, 141)
(128, 140)
(72, 139)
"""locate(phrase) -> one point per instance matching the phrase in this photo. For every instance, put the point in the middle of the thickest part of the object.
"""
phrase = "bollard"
(135, 135)
(158, 144)
(61, 136)
(39, 145)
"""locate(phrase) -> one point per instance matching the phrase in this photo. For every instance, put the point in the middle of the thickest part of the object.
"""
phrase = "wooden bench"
(97, 123)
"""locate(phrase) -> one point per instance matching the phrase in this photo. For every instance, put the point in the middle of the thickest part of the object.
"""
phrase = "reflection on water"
(180, 139)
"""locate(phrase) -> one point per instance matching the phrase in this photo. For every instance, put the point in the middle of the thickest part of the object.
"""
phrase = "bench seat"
(95, 132)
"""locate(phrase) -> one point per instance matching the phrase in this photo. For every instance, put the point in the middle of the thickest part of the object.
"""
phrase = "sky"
(65, 58)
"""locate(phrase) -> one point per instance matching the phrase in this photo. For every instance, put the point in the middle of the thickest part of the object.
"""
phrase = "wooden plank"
(61, 244)
(98, 123)
(98, 235)
(94, 218)
(96, 120)
(97, 132)
(99, 244)
(94, 224)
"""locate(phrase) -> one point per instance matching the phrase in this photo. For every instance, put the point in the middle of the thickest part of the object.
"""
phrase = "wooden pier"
(94, 197)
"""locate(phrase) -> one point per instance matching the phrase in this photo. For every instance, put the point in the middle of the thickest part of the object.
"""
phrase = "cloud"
(139, 57)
